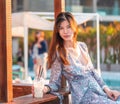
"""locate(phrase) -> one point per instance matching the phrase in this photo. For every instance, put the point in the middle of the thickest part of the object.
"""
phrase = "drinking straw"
(41, 72)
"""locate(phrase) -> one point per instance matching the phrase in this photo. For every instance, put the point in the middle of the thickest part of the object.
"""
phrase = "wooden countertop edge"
(28, 99)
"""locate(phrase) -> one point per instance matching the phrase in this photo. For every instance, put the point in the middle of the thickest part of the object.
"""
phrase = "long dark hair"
(57, 43)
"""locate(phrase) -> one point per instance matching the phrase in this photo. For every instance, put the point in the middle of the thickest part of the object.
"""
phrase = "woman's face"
(38, 35)
(65, 31)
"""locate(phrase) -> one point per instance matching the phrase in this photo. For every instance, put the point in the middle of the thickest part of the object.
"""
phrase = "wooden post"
(6, 94)
(59, 6)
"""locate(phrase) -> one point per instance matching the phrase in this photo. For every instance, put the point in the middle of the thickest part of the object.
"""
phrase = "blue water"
(32, 74)
(112, 79)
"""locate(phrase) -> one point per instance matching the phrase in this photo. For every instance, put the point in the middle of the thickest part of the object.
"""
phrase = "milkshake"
(38, 88)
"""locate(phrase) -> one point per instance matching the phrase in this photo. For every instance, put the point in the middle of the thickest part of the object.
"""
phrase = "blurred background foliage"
(109, 41)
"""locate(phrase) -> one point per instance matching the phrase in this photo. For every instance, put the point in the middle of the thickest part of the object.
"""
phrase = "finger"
(45, 90)
(115, 97)
(111, 97)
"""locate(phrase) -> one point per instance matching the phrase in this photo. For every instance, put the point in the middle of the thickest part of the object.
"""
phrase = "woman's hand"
(112, 94)
(115, 93)
(46, 89)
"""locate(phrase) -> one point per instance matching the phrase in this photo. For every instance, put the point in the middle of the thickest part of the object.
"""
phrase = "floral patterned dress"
(85, 84)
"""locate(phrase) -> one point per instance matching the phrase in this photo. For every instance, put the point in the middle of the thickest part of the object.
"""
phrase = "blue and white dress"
(85, 84)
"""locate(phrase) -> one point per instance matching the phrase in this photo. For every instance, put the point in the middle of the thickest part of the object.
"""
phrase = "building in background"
(110, 9)
(33, 5)
(104, 7)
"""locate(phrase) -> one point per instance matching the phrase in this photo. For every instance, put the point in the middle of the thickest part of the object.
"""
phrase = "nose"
(65, 30)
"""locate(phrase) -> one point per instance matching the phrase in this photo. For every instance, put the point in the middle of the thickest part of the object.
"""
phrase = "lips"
(67, 36)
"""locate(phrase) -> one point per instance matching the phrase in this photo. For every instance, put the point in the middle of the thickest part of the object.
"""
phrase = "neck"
(69, 44)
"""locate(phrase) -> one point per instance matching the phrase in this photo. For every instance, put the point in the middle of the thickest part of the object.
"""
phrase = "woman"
(39, 53)
(70, 58)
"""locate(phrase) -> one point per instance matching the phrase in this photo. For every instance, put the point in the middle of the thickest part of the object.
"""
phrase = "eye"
(60, 28)
(68, 26)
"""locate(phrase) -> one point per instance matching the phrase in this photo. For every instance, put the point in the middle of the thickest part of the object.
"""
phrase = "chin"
(68, 39)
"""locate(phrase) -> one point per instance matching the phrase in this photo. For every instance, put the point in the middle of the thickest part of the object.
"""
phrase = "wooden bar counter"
(22, 95)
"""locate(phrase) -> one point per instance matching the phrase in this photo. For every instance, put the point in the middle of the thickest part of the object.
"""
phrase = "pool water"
(112, 79)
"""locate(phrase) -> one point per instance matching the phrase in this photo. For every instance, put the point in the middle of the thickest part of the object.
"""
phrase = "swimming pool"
(112, 79)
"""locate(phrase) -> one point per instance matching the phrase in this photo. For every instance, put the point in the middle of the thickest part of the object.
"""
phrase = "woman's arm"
(35, 51)
(99, 80)
(55, 79)
(112, 94)
(90, 66)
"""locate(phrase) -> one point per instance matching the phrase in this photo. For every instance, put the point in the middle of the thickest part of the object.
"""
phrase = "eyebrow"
(66, 25)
